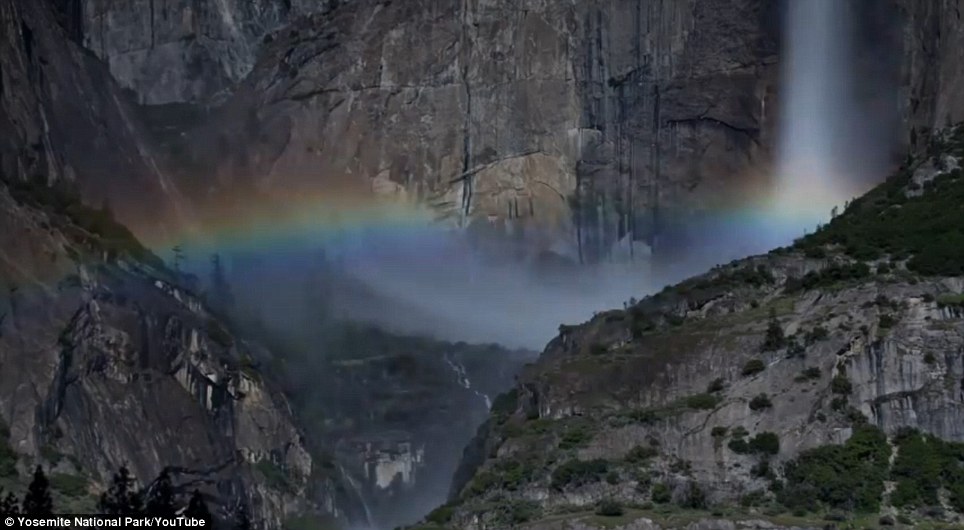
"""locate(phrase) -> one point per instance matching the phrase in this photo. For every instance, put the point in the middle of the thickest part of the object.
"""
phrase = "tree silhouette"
(197, 508)
(178, 257)
(221, 297)
(9, 504)
(121, 498)
(160, 497)
(37, 501)
(241, 519)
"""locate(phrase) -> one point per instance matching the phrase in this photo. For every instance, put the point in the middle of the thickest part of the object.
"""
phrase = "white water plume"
(829, 150)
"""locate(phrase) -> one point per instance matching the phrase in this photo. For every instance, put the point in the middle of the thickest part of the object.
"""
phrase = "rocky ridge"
(108, 361)
(729, 391)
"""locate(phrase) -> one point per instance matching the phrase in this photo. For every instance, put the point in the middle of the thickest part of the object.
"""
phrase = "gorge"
(310, 246)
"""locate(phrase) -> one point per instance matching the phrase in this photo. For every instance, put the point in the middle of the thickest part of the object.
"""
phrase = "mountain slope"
(106, 361)
(734, 391)
(65, 119)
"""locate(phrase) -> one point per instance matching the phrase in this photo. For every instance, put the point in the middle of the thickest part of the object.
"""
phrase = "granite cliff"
(565, 126)
(64, 119)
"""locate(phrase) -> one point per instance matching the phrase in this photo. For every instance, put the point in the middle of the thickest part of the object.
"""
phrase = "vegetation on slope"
(905, 220)
(910, 227)
(99, 227)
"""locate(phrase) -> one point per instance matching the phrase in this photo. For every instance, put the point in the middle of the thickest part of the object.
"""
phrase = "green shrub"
(765, 443)
(441, 515)
(598, 348)
(886, 321)
(576, 473)
(929, 228)
(273, 474)
(512, 473)
(519, 512)
(760, 402)
(923, 466)
(849, 476)
(661, 493)
(840, 384)
(718, 432)
(828, 277)
(753, 367)
(106, 233)
(69, 485)
(575, 437)
(950, 300)
(609, 508)
(929, 358)
(702, 401)
(810, 374)
(754, 498)
(641, 454)
(774, 338)
(716, 385)
(505, 404)
(816, 334)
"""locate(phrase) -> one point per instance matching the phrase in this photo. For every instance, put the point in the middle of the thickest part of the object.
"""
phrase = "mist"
(836, 134)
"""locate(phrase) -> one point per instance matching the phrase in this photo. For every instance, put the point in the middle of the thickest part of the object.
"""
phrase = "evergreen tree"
(122, 498)
(242, 520)
(178, 258)
(160, 497)
(221, 296)
(37, 501)
(8, 504)
(197, 508)
(775, 339)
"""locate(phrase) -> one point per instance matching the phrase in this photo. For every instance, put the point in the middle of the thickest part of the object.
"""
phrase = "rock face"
(175, 51)
(682, 390)
(107, 362)
(932, 67)
(398, 421)
(500, 111)
(64, 118)
(587, 128)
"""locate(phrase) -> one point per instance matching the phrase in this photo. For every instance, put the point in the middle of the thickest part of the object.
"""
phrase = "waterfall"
(369, 517)
(817, 164)
(463, 380)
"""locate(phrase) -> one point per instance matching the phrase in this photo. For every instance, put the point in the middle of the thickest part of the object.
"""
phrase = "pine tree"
(241, 519)
(178, 258)
(121, 498)
(160, 497)
(37, 501)
(8, 504)
(221, 296)
(197, 508)
(775, 339)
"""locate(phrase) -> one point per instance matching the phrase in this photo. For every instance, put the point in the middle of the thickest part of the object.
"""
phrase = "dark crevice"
(467, 123)
(752, 133)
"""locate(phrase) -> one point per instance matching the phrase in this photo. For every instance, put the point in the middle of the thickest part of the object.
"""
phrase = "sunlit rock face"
(566, 126)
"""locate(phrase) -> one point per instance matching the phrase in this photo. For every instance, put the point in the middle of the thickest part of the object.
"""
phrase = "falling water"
(817, 163)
